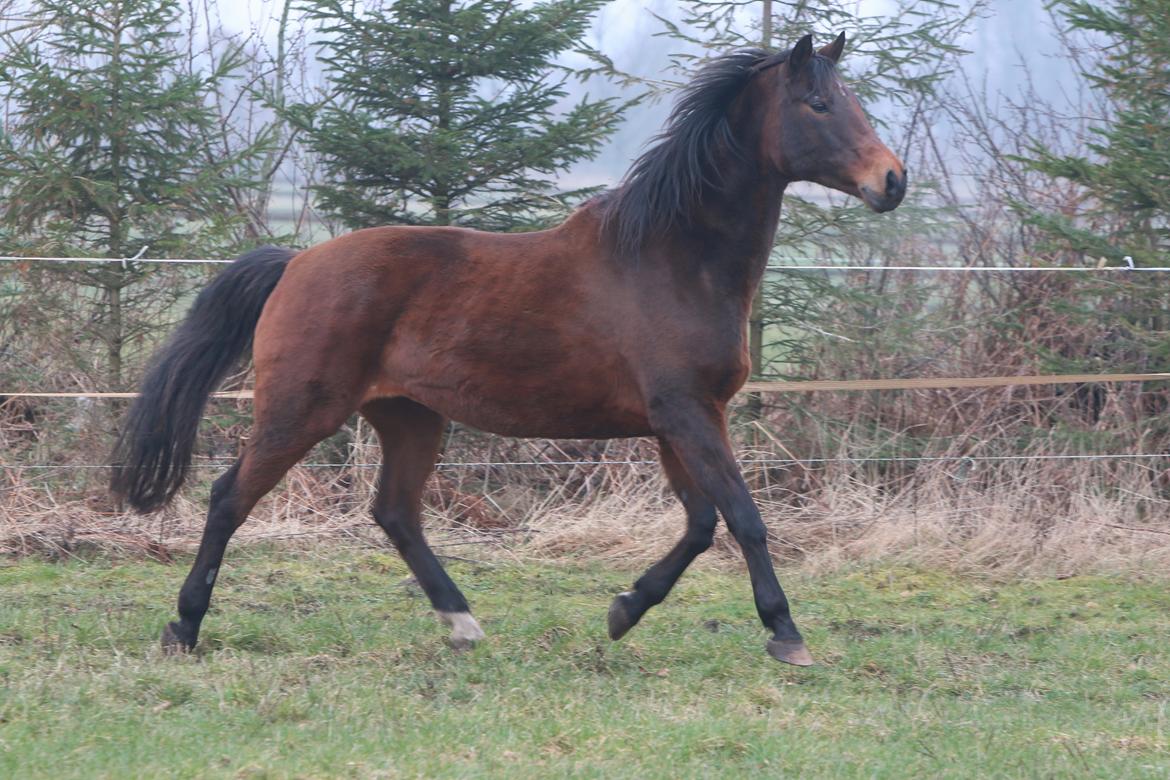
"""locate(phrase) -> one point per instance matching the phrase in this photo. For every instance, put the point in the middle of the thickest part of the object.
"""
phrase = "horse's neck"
(745, 211)
(732, 232)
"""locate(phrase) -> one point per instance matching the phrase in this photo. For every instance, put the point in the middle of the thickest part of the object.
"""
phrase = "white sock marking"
(464, 630)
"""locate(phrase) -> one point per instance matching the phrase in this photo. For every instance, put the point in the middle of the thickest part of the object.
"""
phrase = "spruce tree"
(450, 113)
(1125, 175)
(107, 152)
(1120, 204)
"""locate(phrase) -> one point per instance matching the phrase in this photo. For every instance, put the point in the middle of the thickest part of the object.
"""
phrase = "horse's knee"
(748, 530)
(400, 526)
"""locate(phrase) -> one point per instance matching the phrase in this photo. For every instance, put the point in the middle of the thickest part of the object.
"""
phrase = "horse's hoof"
(173, 642)
(465, 631)
(790, 651)
(621, 619)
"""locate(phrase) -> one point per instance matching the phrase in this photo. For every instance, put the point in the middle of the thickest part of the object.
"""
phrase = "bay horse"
(628, 319)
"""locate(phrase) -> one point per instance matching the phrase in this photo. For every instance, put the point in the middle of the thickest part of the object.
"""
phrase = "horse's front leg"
(696, 431)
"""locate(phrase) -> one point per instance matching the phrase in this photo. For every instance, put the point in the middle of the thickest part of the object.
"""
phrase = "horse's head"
(814, 128)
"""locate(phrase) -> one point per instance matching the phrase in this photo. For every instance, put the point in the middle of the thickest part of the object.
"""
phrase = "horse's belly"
(540, 424)
(548, 411)
(570, 406)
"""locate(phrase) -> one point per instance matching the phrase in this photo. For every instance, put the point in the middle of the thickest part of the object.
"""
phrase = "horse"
(628, 319)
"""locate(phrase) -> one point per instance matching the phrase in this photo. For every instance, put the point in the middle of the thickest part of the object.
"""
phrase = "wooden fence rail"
(809, 386)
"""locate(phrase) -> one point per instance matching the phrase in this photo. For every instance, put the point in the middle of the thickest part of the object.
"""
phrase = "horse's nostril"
(893, 183)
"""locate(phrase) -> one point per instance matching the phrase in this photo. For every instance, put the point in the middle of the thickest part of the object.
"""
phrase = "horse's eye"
(819, 107)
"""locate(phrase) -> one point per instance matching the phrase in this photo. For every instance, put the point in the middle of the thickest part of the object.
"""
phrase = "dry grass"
(1023, 518)
(1007, 525)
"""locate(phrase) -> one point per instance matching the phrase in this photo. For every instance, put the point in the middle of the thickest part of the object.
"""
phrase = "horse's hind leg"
(651, 588)
(279, 441)
(411, 435)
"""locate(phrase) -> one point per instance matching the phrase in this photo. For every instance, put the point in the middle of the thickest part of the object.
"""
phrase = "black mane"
(663, 185)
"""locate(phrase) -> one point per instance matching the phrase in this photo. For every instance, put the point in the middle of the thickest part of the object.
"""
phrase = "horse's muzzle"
(889, 194)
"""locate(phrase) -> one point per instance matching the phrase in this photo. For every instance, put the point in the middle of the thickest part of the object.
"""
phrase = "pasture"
(978, 565)
(327, 661)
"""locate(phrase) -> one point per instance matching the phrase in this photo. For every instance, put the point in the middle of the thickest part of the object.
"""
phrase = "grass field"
(327, 662)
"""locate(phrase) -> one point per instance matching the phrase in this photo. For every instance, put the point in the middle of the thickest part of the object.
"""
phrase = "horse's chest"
(711, 358)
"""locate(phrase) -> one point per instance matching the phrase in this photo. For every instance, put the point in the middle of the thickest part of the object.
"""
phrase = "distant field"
(326, 662)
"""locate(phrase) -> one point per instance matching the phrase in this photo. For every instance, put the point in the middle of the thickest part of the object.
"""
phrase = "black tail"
(153, 451)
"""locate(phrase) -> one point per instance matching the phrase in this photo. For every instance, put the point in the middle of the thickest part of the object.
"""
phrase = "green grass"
(323, 663)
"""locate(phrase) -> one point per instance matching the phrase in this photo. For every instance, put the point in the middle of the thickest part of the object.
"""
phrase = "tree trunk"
(755, 402)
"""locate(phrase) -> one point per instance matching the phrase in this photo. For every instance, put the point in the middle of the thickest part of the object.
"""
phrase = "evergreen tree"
(107, 152)
(450, 113)
(1126, 176)
(1121, 180)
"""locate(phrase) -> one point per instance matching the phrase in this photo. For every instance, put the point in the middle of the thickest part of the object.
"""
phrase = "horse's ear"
(801, 53)
(834, 49)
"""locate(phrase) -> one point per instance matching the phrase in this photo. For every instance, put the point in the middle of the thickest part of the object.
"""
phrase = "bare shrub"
(1042, 517)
